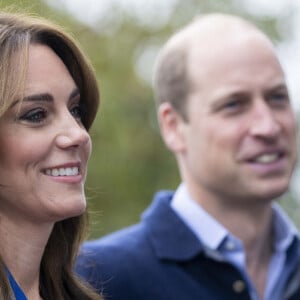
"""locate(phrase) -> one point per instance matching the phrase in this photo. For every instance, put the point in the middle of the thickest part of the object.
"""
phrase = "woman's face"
(44, 147)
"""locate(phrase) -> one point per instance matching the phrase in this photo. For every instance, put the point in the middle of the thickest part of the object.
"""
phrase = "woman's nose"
(72, 133)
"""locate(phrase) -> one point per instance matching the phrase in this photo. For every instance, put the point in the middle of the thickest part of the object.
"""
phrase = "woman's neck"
(22, 247)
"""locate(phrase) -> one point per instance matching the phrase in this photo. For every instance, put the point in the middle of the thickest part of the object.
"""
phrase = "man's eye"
(233, 105)
(34, 116)
(279, 98)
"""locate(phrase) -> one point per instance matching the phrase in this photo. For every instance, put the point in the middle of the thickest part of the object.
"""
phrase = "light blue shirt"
(221, 244)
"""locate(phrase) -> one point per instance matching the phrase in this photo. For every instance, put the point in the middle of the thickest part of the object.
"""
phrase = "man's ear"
(171, 127)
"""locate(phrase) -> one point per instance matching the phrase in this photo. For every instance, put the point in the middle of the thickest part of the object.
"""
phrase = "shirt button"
(230, 245)
(239, 286)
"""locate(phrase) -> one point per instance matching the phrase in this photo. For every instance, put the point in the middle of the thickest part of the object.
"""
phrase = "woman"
(48, 101)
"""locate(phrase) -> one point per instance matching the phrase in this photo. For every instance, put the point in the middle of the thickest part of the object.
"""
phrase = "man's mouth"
(267, 158)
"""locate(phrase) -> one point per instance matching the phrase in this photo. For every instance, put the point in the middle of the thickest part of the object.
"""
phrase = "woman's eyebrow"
(75, 93)
(44, 97)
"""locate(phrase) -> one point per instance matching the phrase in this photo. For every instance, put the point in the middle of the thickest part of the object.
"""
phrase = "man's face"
(240, 137)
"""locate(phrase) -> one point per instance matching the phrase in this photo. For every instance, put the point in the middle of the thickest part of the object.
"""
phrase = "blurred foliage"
(129, 161)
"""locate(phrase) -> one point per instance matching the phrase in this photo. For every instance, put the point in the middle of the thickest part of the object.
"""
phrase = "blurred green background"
(129, 161)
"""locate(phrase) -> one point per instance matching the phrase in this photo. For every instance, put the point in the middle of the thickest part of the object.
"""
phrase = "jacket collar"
(171, 238)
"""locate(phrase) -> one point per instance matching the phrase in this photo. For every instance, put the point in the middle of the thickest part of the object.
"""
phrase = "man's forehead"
(230, 59)
(213, 32)
(218, 20)
(214, 24)
(227, 45)
(219, 29)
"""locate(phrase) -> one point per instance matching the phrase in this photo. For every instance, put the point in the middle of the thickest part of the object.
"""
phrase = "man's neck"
(251, 222)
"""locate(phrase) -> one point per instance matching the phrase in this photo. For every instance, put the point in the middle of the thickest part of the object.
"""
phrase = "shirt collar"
(284, 230)
(208, 230)
(169, 235)
(213, 234)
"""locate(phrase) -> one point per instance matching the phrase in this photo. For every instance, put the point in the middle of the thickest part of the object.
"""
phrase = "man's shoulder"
(135, 236)
(118, 242)
(113, 255)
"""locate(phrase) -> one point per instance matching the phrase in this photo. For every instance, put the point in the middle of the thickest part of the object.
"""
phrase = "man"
(224, 111)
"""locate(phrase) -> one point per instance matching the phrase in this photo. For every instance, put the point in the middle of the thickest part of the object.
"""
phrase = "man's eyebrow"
(280, 86)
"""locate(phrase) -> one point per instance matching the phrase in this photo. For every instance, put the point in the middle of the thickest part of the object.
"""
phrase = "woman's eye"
(34, 116)
(77, 111)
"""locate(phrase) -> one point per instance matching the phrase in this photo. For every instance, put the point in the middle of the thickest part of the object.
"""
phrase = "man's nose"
(264, 121)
